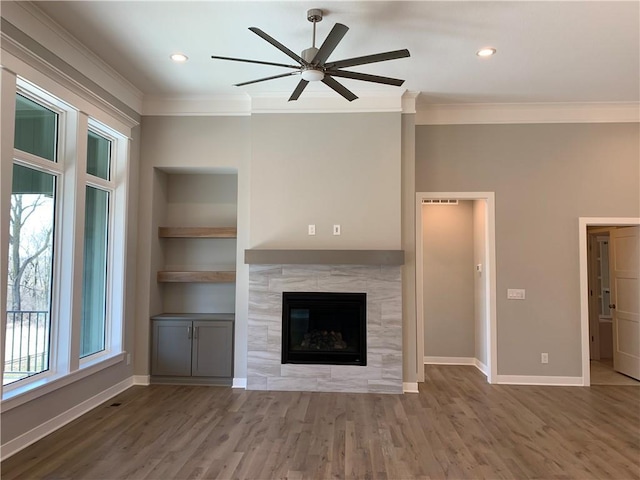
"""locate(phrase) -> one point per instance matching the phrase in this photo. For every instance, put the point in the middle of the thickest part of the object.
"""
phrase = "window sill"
(35, 389)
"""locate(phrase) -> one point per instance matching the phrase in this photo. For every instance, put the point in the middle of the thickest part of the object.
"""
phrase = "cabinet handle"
(189, 333)
(195, 332)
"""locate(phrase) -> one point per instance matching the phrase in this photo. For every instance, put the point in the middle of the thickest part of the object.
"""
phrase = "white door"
(625, 300)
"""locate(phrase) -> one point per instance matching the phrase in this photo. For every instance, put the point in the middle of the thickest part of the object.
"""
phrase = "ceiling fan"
(312, 64)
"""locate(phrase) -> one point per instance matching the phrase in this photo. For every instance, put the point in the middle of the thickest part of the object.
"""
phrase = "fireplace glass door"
(324, 328)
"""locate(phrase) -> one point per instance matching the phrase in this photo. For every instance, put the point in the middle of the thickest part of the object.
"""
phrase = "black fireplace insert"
(324, 328)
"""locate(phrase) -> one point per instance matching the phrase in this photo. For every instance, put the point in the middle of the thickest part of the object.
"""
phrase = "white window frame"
(65, 366)
(114, 329)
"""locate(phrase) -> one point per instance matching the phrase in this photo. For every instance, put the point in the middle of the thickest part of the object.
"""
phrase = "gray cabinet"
(192, 348)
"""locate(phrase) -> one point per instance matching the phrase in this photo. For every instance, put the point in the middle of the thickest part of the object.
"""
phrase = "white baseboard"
(141, 380)
(539, 380)
(14, 446)
(239, 383)
(458, 361)
(410, 387)
(449, 361)
(482, 367)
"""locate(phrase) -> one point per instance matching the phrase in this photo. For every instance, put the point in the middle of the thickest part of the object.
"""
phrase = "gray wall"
(544, 177)
(448, 280)
(326, 169)
(188, 145)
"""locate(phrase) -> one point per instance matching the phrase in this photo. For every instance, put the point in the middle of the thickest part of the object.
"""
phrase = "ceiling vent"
(439, 201)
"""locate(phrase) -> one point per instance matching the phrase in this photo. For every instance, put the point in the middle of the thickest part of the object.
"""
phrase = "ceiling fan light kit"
(312, 63)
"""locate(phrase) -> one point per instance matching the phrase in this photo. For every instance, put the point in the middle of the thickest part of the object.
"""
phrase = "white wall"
(326, 169)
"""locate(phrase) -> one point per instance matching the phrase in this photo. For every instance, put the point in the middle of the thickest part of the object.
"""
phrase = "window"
(67, 219)
(31, 233)
(96, 230)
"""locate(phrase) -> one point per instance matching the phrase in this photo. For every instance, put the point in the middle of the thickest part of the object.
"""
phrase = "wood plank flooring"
(458, 427)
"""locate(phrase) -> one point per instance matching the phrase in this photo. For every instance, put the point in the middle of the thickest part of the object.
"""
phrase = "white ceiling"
(548, 51)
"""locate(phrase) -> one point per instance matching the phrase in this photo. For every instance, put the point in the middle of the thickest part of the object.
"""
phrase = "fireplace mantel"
(323, 257)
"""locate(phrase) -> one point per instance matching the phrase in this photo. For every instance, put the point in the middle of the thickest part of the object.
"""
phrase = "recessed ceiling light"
(486, 52)
(179, 57)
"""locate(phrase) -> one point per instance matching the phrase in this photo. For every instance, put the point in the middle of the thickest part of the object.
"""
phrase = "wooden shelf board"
(196, 277)
(197, 232)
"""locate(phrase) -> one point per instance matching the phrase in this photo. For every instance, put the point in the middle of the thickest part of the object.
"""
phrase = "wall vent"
(439, 201)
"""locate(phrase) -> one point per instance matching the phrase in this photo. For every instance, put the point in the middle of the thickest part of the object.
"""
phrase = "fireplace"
(324, 328)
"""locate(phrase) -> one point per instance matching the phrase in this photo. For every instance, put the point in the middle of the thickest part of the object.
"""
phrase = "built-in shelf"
(197, 232)
(196, 277)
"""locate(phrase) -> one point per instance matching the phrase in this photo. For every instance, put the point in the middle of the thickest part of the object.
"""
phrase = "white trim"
(410, 387)
(539, 380)
(34, 70)
(222, 105)
(449, 361)
(43, 29)
(327, 102)
(457, 361)
(482, 367)
(583, 223)
(491, 369)
(14, 446)
(141, 380)
(501, 113)
(239, 383)
(409, 99)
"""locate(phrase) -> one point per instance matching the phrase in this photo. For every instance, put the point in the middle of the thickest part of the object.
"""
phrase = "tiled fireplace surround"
(383, 286)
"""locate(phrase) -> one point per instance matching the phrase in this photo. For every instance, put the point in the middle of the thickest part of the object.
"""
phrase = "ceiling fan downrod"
(312, 73)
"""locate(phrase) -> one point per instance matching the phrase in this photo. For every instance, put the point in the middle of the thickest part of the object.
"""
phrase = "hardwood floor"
(458, 426)
(602, 373)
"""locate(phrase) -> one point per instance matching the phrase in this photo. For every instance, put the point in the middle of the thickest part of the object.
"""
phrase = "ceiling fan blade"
(278, 45)
(266, 78)
(365, 77)
(378, 57)
(330, 43)
(346, 93)
(296, 93)
(254, 61)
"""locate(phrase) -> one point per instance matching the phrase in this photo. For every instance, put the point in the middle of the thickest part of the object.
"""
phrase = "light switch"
(515, 294)
(336, 229)
(312, 229)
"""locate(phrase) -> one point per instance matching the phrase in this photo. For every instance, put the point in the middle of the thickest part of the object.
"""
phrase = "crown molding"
(41, 28)
(327, 102)
(311, 102)
(505, 113)
(220, 105)
(32, 68)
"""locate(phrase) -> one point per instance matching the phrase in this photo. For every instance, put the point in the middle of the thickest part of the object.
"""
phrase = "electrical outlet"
(312, 229)
(128, 359)
(515, 293)
(544, 358)
(336, 229)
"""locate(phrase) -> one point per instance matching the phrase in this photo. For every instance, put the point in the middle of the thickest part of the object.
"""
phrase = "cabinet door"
(171, 353)
(212, 349)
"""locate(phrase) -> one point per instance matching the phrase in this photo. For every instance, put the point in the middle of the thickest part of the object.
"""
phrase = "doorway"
(483, 277)
(599, 316)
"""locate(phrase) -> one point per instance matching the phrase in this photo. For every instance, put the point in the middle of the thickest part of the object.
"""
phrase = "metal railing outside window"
(27, 344)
